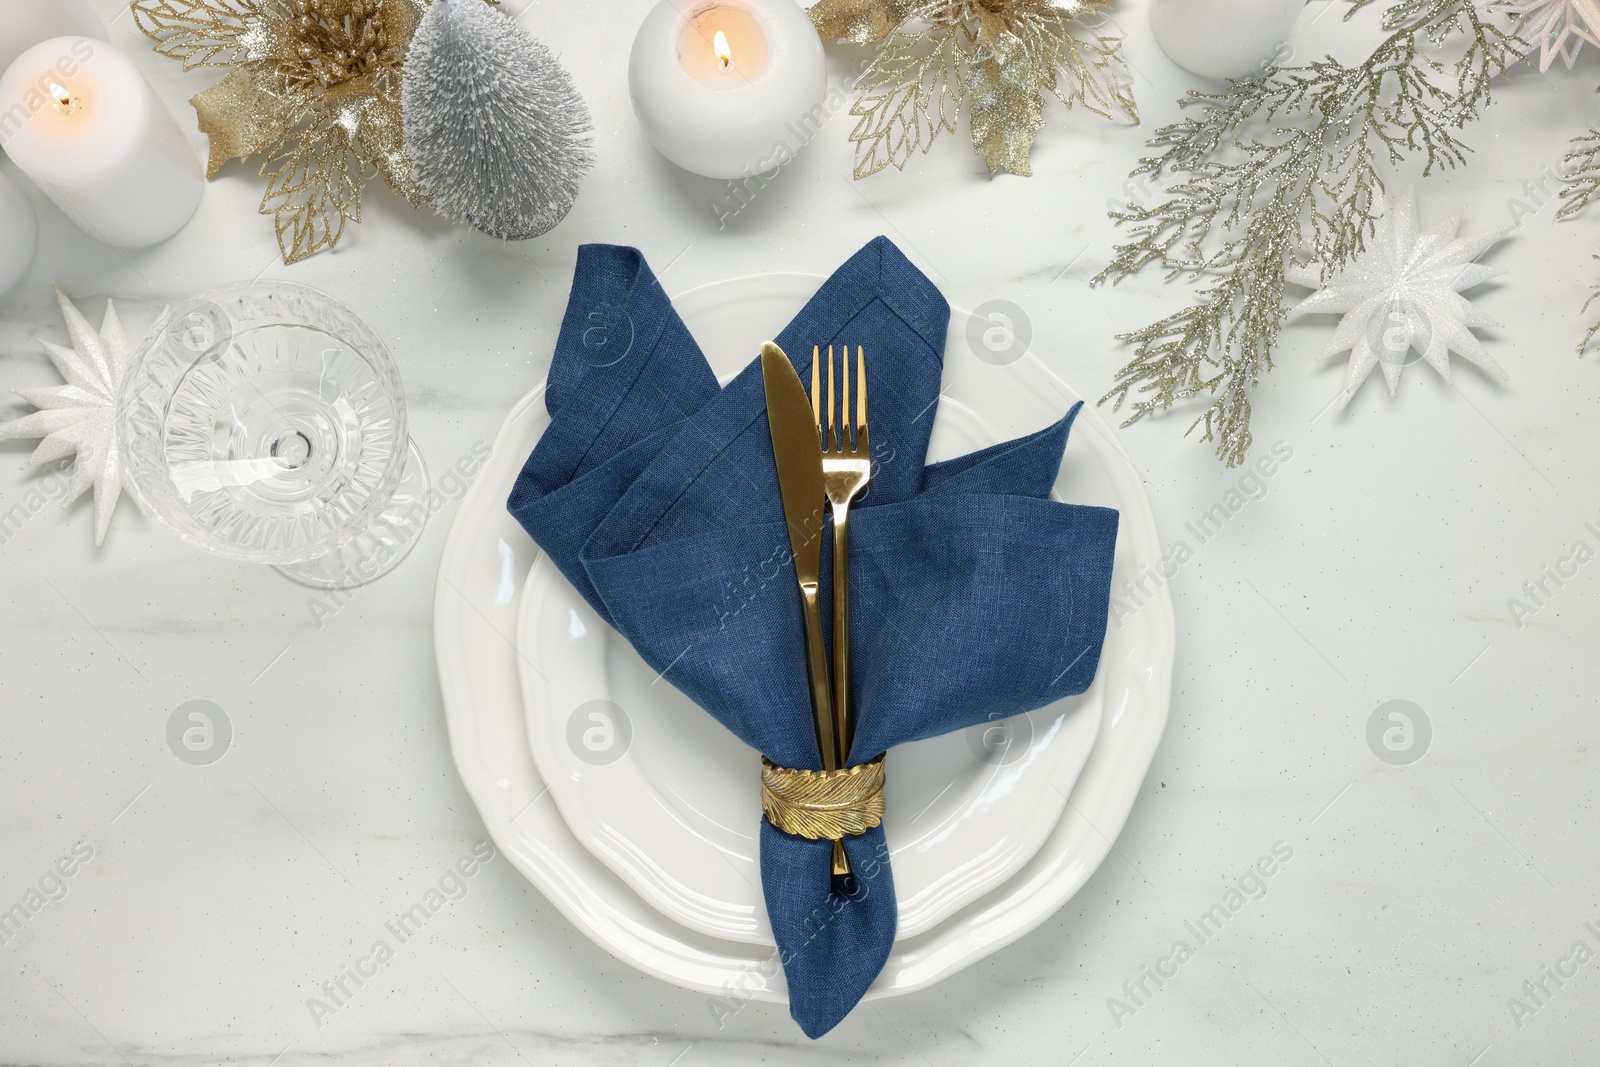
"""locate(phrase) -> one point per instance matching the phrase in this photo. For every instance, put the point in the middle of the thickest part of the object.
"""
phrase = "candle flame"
(63, 98)
(720, 45)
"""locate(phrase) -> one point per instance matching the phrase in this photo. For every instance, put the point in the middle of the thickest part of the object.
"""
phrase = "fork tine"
(861, 395)
(816, 387)
(846, 438)
(828, 441)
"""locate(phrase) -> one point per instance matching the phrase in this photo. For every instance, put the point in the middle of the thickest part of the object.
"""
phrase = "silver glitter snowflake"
(80, 417)
(1402, 295)
(1554, 27)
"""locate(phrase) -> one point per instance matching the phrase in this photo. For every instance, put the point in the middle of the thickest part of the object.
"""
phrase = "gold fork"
(846, 470)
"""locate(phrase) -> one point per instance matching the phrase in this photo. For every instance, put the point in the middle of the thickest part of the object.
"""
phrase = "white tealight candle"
(728, 88)
(19, 234)
(80, 120)
(24, 23)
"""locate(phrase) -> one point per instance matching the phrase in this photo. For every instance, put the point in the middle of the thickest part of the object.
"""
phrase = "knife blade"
(797, 449)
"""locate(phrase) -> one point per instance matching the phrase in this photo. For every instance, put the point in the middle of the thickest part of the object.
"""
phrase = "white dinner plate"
(670, 800)
(487, 558)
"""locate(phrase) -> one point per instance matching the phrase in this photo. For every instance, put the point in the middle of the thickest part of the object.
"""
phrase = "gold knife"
(797, 448)
(798, 452)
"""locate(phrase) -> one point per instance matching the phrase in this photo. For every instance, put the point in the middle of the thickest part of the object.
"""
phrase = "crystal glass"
(266, 423)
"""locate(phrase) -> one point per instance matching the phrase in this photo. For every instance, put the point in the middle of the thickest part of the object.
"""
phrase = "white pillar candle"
(728, 88)
(78, 118)
(1223, 38)
(19, 234)
(24, 23)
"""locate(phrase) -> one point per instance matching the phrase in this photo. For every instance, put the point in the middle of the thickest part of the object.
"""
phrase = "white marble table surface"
(1376, 564)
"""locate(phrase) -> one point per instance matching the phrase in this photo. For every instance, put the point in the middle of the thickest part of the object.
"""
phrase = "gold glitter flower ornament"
(1001, 59)
(314, 89)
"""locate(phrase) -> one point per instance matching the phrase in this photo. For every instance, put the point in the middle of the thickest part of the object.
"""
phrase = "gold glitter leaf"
(381, 136)
(859, 21)
(314, 178)
(909, 94)
(994, 37)
(196, 33)
(1090, 71)
(1007, 111)
(242, 116)
(400, 19)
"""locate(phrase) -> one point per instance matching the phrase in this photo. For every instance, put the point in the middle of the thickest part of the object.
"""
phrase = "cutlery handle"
(817, 661)
(822, 711)
(842, 728)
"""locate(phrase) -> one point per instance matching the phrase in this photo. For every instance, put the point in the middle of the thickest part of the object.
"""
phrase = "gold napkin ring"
(823, 804)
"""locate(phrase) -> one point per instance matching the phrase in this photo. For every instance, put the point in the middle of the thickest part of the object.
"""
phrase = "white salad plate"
(670, 800)
(488, 562)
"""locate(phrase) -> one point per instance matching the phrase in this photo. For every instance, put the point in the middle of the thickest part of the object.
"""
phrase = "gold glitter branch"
(1274, 165)
(1000, 58)
(1582, 171)
(314, 89)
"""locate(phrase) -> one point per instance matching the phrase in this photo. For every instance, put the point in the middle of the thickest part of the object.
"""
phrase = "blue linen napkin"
(974, 596)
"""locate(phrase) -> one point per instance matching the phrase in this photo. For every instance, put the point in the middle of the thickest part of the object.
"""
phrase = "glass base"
(378, 549)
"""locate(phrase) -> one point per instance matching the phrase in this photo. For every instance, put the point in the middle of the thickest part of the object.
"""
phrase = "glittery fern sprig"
(1581, 168)
(1273, 166)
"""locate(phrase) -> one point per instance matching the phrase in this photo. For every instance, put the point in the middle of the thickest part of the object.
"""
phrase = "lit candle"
(728, 88)
(19, 234)
(80, 120)
(24, 23)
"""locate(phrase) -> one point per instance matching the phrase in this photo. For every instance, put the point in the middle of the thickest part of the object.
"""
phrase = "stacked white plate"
(638, 814)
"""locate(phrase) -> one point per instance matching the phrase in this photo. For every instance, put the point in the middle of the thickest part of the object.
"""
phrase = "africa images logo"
(52, 888)
(1248, 887)
(449, 888)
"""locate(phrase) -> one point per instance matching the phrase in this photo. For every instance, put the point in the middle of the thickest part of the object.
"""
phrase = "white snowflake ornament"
(1554, 27)
(80, 417)
(1402, 294)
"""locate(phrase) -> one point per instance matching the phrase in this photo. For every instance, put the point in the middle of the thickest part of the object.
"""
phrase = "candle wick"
(64, 100)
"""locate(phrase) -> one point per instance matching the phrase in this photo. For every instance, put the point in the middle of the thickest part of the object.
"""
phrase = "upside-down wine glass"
(266, 423)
